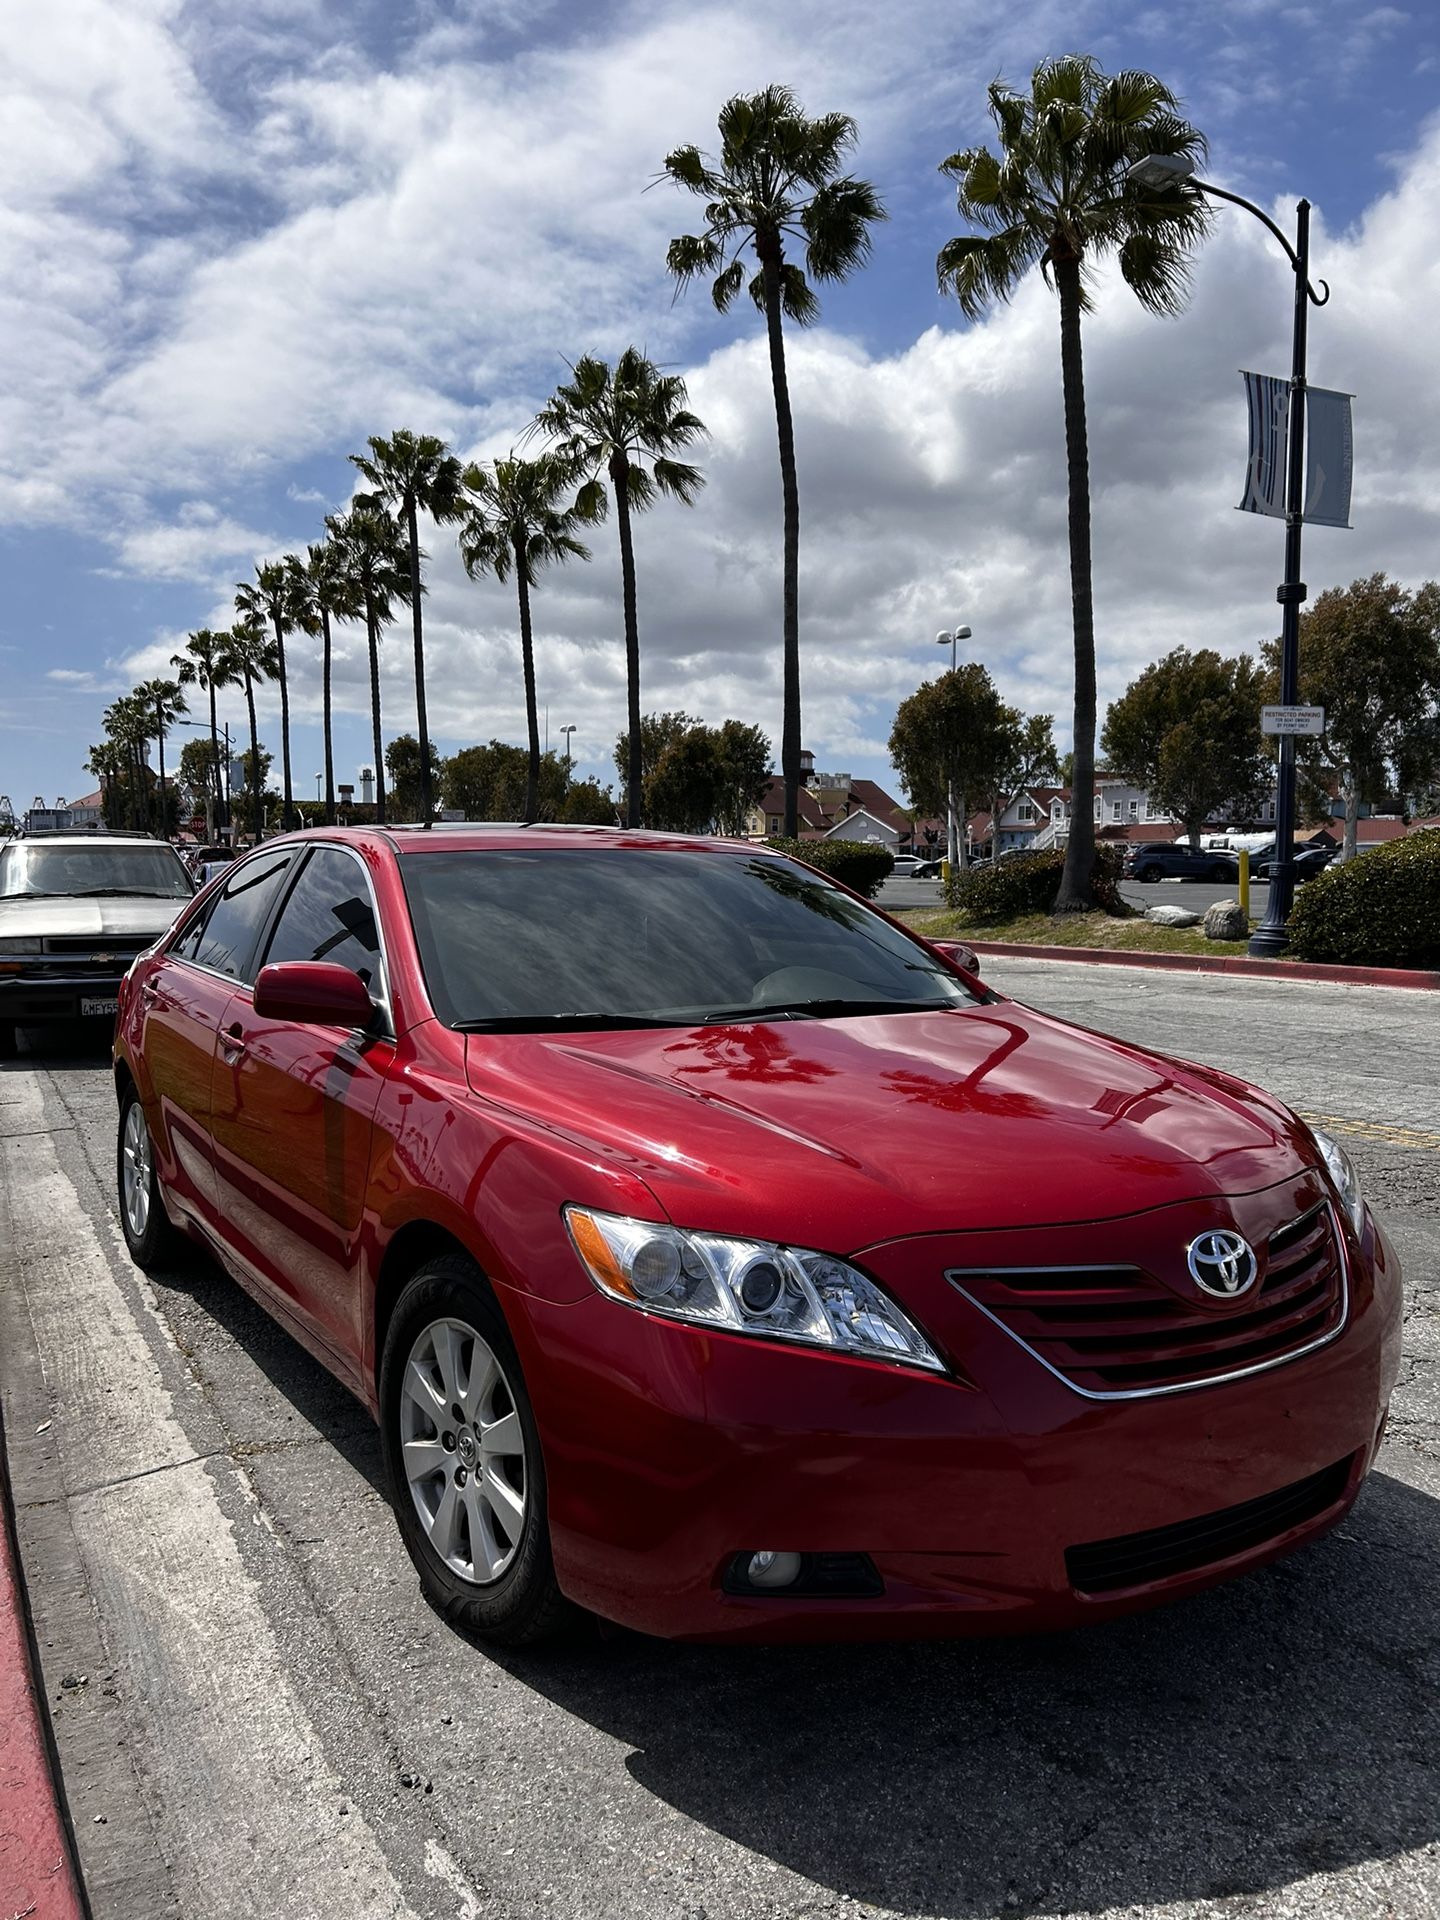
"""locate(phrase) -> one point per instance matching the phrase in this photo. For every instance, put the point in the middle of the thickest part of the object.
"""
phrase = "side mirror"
(957, 953)
(313, 993)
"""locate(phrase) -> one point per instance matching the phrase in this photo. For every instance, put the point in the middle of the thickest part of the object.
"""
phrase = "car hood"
(841, 1133)
(130, 915)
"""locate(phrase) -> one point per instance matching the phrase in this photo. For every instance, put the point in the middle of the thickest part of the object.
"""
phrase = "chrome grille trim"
(957, 1276)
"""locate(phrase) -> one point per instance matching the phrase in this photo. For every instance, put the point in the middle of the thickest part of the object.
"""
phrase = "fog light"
(773, 1569)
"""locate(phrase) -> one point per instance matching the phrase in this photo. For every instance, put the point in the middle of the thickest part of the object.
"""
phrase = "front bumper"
(45, 999)
(669, 1449)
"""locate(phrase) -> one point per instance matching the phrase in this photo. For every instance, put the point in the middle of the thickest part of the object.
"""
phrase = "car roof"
(81, 838)
(494, 835)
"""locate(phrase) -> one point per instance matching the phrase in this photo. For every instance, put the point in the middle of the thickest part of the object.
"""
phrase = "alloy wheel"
(136, 1164)
(463, 1450)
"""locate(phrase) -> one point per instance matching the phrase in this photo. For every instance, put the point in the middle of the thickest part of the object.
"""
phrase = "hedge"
(854, 863)
(1028, 883)
(1380, 910)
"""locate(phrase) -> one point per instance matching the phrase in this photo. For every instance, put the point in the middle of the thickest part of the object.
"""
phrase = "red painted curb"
(1202, 963)
(36, 1876)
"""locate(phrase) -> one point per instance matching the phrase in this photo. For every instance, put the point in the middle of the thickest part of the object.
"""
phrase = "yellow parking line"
(1422, 1138)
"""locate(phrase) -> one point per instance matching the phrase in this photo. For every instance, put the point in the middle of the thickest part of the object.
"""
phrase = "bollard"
(1245, 881)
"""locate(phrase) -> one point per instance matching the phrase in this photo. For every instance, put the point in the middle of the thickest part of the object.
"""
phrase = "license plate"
(89, 1007)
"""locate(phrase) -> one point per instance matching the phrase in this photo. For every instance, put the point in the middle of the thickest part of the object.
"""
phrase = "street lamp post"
(1163, 172)
(319, 781)
(952, 836)
(567, 731)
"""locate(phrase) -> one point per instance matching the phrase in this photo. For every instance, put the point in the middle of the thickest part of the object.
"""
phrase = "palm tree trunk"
(160, 741)
(219, 815)
(288, 809)
(527, 664)
(373, 635)
(329, 754)
(768, 248)
(1075, 895)
(634, 791)
(256, 786)
(427, 809)
(1350, 789)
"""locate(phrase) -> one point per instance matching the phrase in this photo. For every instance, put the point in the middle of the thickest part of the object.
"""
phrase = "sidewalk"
(37, 1880)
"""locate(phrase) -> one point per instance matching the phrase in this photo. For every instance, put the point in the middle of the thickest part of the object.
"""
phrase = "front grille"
(1112, 1332)
(1137, 1559)
(84, 945)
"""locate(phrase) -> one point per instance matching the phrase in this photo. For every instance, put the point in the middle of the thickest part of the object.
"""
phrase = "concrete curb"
(37, 1876)
(1203, 963)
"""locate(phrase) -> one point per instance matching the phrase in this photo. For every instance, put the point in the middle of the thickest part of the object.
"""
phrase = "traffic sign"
(1292, 720)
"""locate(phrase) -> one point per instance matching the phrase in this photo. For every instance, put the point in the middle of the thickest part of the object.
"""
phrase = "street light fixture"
(567, 731)
(952, 837)
(1165, 173)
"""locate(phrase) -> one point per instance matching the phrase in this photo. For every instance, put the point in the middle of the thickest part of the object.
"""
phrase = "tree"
(611, 423)
(408, 787)
(415, 474)
(373, 564)
(322, 590)
(106, 762)
(128, 726)
(1058, 197)
(488, 783)
(272, 598)
(515, 522)
(252, 657)
(197, 775)
(587, 803)
(165, 703)
(1370, 655)
(203, 662)
(745, 759)
(955, 732)
(657, 731)
(777, 180)
(704, 779)
(1188, 731)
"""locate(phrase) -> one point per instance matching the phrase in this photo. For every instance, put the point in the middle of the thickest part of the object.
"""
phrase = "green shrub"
(1029, 882)
(854, 863)
(1380, 910)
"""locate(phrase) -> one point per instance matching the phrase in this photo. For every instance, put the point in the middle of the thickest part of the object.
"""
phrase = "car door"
(293, 1109)
(182, 1001)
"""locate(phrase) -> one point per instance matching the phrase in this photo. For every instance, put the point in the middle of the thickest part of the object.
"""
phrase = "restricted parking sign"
(1292, 720)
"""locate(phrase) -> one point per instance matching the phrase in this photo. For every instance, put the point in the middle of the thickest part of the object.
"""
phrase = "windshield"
(32, 869)
(614, 936)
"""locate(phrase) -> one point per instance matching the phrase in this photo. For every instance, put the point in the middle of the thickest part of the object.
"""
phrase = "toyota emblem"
(1222, 1264)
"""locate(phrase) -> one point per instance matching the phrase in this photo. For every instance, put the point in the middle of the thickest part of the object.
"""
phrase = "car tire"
(149, 1233)
(8, 1047)
(448, 1532)
(1222, 874)
(1147, 874)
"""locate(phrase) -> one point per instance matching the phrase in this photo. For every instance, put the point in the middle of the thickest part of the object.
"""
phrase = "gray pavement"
(272, 1722)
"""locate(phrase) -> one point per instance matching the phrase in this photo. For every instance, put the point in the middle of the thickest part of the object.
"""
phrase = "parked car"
(927, 870)
(1308, 862)
(718, 1257)
(905, 866)
(75, 909)
(1174, 860)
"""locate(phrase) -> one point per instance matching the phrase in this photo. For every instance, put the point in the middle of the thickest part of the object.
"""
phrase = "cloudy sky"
(236, 241)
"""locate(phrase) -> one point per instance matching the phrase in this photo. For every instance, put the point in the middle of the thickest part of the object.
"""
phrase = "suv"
(75, 909)
(1173, 860)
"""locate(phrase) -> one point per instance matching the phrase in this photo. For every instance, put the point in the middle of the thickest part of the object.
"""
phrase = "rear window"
(617, 936)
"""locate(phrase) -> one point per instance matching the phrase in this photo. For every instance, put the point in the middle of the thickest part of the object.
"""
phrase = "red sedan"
(719, 1257)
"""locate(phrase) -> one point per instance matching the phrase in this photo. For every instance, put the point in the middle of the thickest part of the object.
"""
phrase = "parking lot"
(900, 896)
(256, 1713)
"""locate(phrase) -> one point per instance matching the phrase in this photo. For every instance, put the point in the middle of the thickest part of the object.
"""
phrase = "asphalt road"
(257, 1714)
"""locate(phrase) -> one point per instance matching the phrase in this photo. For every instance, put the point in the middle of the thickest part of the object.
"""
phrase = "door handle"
(233, 1039)
(149, 993)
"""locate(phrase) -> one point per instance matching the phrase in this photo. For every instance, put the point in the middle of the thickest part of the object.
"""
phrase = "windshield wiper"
(563, 1023)
(828, 1009)
(137, 893)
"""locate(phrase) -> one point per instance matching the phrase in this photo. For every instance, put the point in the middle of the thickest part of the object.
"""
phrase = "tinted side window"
(330, 915)
(187, 946)
(236, 917)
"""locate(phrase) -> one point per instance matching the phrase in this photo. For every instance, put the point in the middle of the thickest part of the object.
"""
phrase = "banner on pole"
(1329, 451)
(1269, 400)
(1329, 457)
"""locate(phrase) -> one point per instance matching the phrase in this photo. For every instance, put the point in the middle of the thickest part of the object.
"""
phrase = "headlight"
(1342, 1171)
(746, 1286)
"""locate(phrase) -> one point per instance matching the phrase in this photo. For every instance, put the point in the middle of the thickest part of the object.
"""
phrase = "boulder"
(1226, 920)
(1172, 916)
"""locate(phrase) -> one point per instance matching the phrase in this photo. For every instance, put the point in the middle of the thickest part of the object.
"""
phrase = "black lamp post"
(1163, 172)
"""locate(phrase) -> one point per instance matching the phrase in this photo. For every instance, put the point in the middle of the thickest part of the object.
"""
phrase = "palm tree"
(323, 591)
(1057, 197)
(251, 657)
(777, 179)
(165, 703)
(609, 423)
(205, 663)
(373, 562)
(271, 598)
(415, 474)
(515, 520)
(105, 762)
(127, 722)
